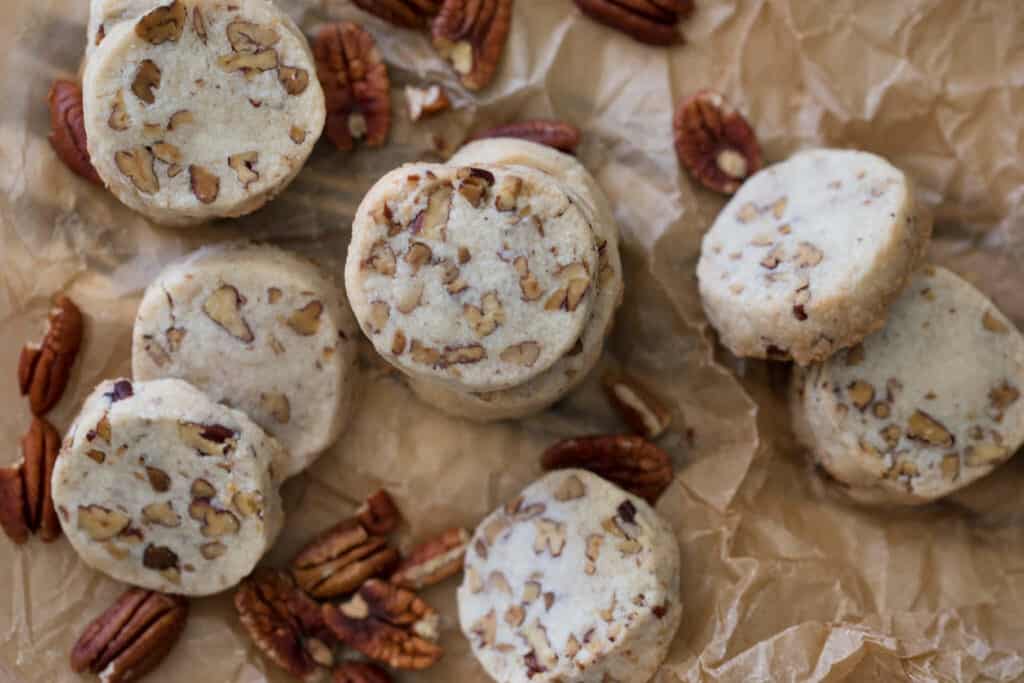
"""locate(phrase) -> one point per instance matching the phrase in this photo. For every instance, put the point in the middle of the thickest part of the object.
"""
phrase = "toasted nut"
(131, 637)
(44, 370)
(244, 166)
(653, 24)
(207, 439)
(246, 36)
(388, 624)
(524, 353)
(248, 503)
(67, 129)
(101, 523)
(472, 36)
(425, 101)
(137, 164)
(924, 427)
(405, 13)
(13, 511)
(378, 514)
(507, 193)
(861, 394)
(162, 24)
(632, 462)
(558, 134)
(638, 407)
(433, 561)
(161, 513)
(264, 60)
(147, 79)
(993, 324)
(306, 320)
(205, 185)
(715, 143)
(276, 405)
(432, 222)
(473, 186)
(340, 559)
(293, 79)
(224, 307)
(360, 672)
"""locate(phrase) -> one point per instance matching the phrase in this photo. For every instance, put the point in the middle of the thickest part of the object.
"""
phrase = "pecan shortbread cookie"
(809, 255)
(575, 580)
(478, 277)
(572, 368)
(160, 487)
(199, 109)
(923, 407)
(260, 329)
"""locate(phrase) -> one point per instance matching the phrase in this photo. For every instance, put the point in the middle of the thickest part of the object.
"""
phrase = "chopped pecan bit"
(524, 354)
(340, 559)
(425, 101)
(246, 36)
(381, 258)
(639, 408)
(293, 79)
(388, 624)
(558, 134)
(924, 427)
(506, 194)
(137, 164)
(360, 672)
(632, 462)
(432, 222)
(44, 370)
(404, 13)
(1001, 397)
(205, 185)
(378, 514)
(648, 21)
(993, 324)
(486, 318)
(131, 637)
(473, 186)
(162, 24)
(576, 282)
(471, 34)
(147, 79)
(284, 624)
(861, 394)
(306, 320)
(206, 439)
(356, 85)
(715, 143)
(244, 166)
(67, 129)
(224, 307)
(433, 561)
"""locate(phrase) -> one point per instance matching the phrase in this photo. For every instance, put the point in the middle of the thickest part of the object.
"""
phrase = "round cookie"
(570, 370)
(200, 109)
(159, 487)
(810, 253)
(575, 581)
(477, 277)
(260, 329)
(923, 407)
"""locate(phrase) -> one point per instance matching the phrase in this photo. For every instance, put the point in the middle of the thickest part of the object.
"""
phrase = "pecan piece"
(360, 672)
(39, 448)
(378, 514)
(132, 637)
(632, 462)
(638, 407)
(340, 559)
(648, 21)
(558, 134)
(13, 513)
(285, 624)
(44, 369)
(387, 624)
(404, 13)
(67, 129)
(357, 90)
(433, 561)
(715, 143)
(471, 34)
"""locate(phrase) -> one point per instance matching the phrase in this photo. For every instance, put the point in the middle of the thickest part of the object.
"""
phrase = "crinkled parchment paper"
(783, 580)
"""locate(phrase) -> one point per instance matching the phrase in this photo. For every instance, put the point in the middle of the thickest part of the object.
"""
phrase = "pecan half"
(39, 448)
(558, 134)
(471, 34)
(715, 143)
(639, 408)
(44, 369)
(357, 90)
(379, 515)
(67, 129)
(632, 462)
(286, 625)
(433, 561)
(340, 559)
(360, 672)
(648, 21)
(132, 637)
(387, 624)
(404, 13)
(13, 513)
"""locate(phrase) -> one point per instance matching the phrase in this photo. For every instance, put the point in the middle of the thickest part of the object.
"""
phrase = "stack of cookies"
(908, 379)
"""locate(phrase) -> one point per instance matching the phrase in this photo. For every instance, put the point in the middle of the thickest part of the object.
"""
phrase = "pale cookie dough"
(570, 370)
(200, 109)
(810, 253)
(104, 15)
(159, 487)
(923, 407)
(574, 581)
(260, 329)
(479, 277)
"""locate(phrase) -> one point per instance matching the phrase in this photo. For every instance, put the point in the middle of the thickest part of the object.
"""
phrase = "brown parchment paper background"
(783, 581)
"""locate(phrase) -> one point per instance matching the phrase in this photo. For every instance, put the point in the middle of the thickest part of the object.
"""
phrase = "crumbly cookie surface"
(810, 253)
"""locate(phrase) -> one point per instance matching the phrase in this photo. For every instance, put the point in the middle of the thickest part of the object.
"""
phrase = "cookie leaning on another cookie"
(923, 407)
(809, 254)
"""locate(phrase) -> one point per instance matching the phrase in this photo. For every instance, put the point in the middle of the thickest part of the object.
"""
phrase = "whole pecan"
(639, 408)
(715, 143)
(632, 462)
(558, 134)
(286, 625)
(387, 624)
(471, 34)
(405, 13)
(433, 561)
(132, 637)
(340, 559)
(44, 369)
(67, 128)
(360, 672)
(26, 505)
(648, 21)
(357, 90)
(379, 515)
